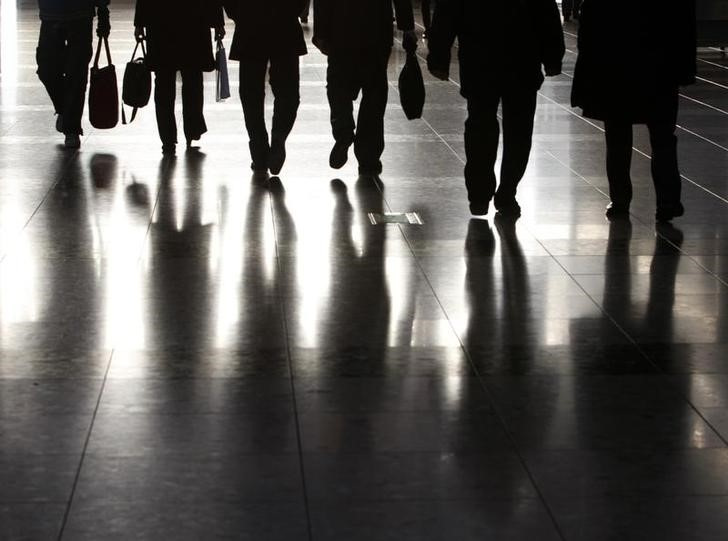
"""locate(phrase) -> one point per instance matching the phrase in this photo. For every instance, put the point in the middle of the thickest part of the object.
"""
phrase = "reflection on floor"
(186, 353)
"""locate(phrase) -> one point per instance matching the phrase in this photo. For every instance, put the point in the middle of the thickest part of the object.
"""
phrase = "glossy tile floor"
(188, 354)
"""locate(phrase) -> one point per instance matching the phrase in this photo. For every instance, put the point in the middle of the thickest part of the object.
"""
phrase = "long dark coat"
(266, 28)
(627, 63)
(495, 54)
(178, 32)
(359, 26)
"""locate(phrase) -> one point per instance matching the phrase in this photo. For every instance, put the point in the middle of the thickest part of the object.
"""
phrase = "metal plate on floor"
(405, 218)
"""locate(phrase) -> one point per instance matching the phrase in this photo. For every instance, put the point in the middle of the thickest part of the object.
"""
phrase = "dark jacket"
(267, 28)
(69, 10)
(178, 32)
(626, 64)
(502, 44)
(359, 26)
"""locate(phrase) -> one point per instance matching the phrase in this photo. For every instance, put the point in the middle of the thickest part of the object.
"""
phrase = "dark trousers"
(482, 135)
(306, 10)
(571, 7)
(347, 76)
(285, 84)
(63, 55)
(665, 171)
(193, 99)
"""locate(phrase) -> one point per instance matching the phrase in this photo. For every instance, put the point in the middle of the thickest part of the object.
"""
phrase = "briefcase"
(137, 87)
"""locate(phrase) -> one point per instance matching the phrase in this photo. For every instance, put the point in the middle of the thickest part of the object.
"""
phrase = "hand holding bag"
(223, 79)
(137, 87)
(412, 88)
(103, 98)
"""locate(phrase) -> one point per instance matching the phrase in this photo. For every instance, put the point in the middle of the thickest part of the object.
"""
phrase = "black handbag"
(103, 96)
(137, 88)
(412, 88)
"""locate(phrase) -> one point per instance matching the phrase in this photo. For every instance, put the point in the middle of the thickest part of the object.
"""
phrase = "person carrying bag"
(103, 99)
(137, 89)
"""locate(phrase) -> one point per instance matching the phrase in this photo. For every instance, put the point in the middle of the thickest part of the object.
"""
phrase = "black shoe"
(507, 206)
(258, 168)
(370, 170)
(277, 156)
(479, 208)
(73, 141)
(616, 211)
(59, 123)
(169, 149)
(339, 155)
(667, 213)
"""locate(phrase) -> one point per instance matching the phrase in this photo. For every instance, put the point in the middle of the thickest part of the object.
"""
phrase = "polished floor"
(186, 353)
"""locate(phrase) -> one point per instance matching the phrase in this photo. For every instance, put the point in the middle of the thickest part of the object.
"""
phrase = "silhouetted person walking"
(268, 36)
(357, 36)
(628, 72)
(499, 64)
(65, 47)
(178, 36)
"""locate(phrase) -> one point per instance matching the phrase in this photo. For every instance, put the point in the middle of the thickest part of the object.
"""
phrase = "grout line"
(296, 416)
(77, 477)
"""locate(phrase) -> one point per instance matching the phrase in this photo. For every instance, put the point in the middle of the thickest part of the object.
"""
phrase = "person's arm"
(217, 18)
(103, 29)
(322, 24)
(406, 23)
(687, 54)
(141, 14)
(551, 36)
(441, 38)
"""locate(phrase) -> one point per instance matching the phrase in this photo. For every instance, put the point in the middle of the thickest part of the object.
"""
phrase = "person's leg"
(285, 83)
(79, 50)
(665, 170)
(618, 135)
(369, 141)
(165, 93)
(341, 89)
(482, 134)
(566, 8)
(193, 103)
(252, 96)
(50, 59)
(519, 109)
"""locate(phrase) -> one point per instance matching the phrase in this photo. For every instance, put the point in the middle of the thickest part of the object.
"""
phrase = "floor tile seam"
(643, 224)
(77, 476)
(68, 160)
(291, 372)
(643, 353)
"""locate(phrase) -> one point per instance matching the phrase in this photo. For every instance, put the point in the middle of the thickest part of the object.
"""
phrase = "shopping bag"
(223, 79)
(412, 88)
(103, 98)
(137, 87)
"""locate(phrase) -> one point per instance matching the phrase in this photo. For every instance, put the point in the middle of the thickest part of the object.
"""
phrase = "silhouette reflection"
(500, 333)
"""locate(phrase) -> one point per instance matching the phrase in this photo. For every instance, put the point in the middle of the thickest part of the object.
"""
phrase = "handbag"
(222, 89)
(412, 88)
(137, 87)
(103, 98)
